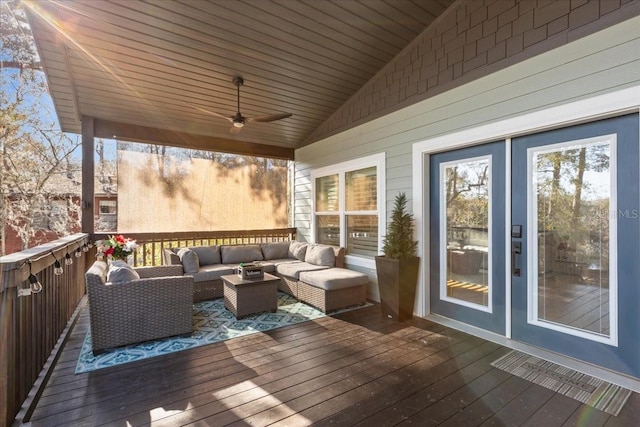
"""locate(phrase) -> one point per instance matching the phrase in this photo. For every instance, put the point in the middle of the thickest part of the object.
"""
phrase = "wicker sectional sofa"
(312, 273)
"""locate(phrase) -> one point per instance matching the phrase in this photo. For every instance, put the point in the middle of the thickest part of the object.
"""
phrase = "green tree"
(38, 174)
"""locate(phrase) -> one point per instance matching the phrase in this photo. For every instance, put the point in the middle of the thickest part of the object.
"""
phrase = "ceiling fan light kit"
(238, 120)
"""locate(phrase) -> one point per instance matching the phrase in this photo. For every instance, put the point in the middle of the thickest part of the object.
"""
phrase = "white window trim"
(377, 160)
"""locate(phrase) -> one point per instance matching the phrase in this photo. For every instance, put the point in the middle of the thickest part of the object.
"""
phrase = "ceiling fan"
(238, 120)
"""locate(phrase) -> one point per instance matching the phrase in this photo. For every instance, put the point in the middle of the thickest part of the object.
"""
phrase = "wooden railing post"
(7, 358)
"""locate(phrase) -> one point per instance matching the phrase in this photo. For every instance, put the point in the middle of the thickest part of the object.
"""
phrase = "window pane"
(573, 194)
(466, 188)
(362, 235)
(327, 194)
(361, 190)
(328, 231)
(108, 207)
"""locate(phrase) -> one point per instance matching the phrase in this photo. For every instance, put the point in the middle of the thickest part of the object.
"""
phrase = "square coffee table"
(249, 296)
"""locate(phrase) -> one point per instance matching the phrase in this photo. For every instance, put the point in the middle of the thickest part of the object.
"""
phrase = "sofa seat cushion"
(279, 261)
(212, 272)
(293, 269)
(241, 253)
(334, 278)
(268, 266)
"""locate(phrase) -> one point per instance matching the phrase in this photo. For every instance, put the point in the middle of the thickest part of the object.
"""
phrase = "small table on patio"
(249, 296)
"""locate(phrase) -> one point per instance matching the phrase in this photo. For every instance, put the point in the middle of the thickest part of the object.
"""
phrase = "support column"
(88, 172)
(8, 405)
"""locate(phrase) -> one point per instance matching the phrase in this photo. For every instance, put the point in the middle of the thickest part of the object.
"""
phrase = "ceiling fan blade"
(213, 113)
(270, 118)
(230, 118)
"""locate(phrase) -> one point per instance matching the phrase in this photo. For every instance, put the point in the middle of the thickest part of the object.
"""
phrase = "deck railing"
(32, 323)
(151, 245)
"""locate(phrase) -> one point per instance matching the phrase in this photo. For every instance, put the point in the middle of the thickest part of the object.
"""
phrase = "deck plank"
(356, 368)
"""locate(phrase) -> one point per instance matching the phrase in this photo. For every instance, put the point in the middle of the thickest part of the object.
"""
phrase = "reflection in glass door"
(466, 212)
(570, 272)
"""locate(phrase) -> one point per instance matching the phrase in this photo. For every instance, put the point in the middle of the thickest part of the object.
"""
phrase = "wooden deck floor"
(357, 368)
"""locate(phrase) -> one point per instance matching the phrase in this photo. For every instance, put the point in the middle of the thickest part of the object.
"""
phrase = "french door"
(573, 265)
(576, 278)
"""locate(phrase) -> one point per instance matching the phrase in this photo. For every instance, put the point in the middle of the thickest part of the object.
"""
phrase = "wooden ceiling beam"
(149, 135)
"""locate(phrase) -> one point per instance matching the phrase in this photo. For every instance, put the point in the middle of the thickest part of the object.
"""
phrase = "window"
(349, 205)
(108, 206)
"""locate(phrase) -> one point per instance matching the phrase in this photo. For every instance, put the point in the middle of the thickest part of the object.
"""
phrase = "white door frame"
(599, 107)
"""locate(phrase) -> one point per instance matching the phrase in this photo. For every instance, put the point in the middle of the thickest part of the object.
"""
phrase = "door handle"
(516, 251)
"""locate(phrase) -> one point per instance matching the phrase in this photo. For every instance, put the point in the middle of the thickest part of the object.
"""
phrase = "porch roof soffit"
(161, 71)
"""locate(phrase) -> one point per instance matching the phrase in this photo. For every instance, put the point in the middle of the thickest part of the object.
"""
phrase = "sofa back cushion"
(207, 255)
(297, 250)
(241, 253)
(189, 260)
(276, 250)
(121, 272)
(320, 255)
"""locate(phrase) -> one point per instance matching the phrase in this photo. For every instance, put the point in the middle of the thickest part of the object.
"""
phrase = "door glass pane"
(362, 235)
(328, 229)
(572, 185)
(327, 194)
(466, 200)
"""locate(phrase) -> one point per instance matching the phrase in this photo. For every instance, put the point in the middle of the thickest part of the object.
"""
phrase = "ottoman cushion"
(334, 278)
(295, 268)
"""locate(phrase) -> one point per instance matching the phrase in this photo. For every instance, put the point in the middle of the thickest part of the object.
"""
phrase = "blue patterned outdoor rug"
(211, 323)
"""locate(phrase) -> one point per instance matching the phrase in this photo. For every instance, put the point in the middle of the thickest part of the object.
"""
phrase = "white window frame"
(379, 162)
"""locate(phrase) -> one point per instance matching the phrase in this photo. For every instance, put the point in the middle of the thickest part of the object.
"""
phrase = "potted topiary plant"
(397, 269)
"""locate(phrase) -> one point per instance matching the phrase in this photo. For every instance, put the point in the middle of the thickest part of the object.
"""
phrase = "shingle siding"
(473, 38)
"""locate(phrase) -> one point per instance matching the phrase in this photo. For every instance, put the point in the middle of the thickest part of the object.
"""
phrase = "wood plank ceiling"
(170, 64)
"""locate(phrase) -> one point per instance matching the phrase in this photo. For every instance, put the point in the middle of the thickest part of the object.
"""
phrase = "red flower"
(120, 239)
(109, 251)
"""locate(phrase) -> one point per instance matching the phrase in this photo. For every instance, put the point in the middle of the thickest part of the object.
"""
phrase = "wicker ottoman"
(333, 288)
(243, 297)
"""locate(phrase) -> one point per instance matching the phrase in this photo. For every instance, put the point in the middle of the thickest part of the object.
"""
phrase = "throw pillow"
(189, 260)
(277, 250)
(320, 255)
(297, 250)
(207, 255)
(120, 272)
